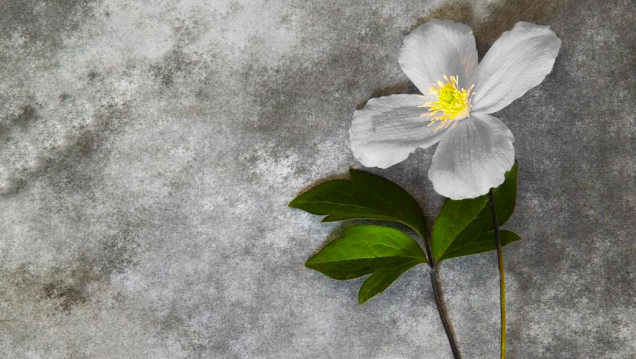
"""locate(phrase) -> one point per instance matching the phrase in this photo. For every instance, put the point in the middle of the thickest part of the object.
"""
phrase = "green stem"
(502, 275)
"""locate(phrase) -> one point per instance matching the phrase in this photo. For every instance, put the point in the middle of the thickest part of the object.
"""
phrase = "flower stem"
(441, 308)
(502, 276)
(439, 297)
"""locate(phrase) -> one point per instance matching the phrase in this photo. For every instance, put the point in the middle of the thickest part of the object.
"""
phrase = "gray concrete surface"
(148, 150)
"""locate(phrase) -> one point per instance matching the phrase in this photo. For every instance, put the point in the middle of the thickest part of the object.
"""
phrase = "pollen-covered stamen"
(451, 103)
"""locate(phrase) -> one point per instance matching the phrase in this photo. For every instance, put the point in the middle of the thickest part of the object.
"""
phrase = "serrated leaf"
(461, 222)
(366, 196)
(385, 252)
(482, 243)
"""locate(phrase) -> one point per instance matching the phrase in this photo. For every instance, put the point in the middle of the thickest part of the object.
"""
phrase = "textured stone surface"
(148, 151)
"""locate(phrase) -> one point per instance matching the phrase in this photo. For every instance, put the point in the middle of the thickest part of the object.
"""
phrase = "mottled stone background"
(148, 150)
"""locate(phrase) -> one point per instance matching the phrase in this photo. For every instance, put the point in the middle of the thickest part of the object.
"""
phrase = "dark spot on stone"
(66, 286)
(64, 96)
(166, 78)
(21, 120)
(67, 295)
(33, 19)
(172, 320)
(399, 88)
(73, 166)
(26, 116)
(116, 252)
(235, 7)
(93, 75)
(13, 187)
(87, 142)
(171, 65)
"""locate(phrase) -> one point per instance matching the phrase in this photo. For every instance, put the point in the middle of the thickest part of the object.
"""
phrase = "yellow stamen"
(451, 105)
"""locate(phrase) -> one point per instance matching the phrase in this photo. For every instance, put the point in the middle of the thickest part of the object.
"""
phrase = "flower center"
(451, 104)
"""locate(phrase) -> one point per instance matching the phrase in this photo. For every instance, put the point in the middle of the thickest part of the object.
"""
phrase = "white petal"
(473, 157)
(518, 61)
(389, 128)
(438, 48)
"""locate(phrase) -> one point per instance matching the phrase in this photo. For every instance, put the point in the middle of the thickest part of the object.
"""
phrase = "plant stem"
(439, 296)
(502, 276)
(441, 308)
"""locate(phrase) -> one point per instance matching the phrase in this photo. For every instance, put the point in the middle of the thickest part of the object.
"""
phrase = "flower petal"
(518, 61)
(472, 158)
(438, 48)
(389, 128)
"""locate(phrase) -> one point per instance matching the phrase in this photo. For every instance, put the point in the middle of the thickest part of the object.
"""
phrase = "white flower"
(475, 149)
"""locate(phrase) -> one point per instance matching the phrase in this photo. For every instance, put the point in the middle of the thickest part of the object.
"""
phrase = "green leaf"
(460, 223)
(362, 250)
(364, 196)
(378, 282)
(483, 243)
